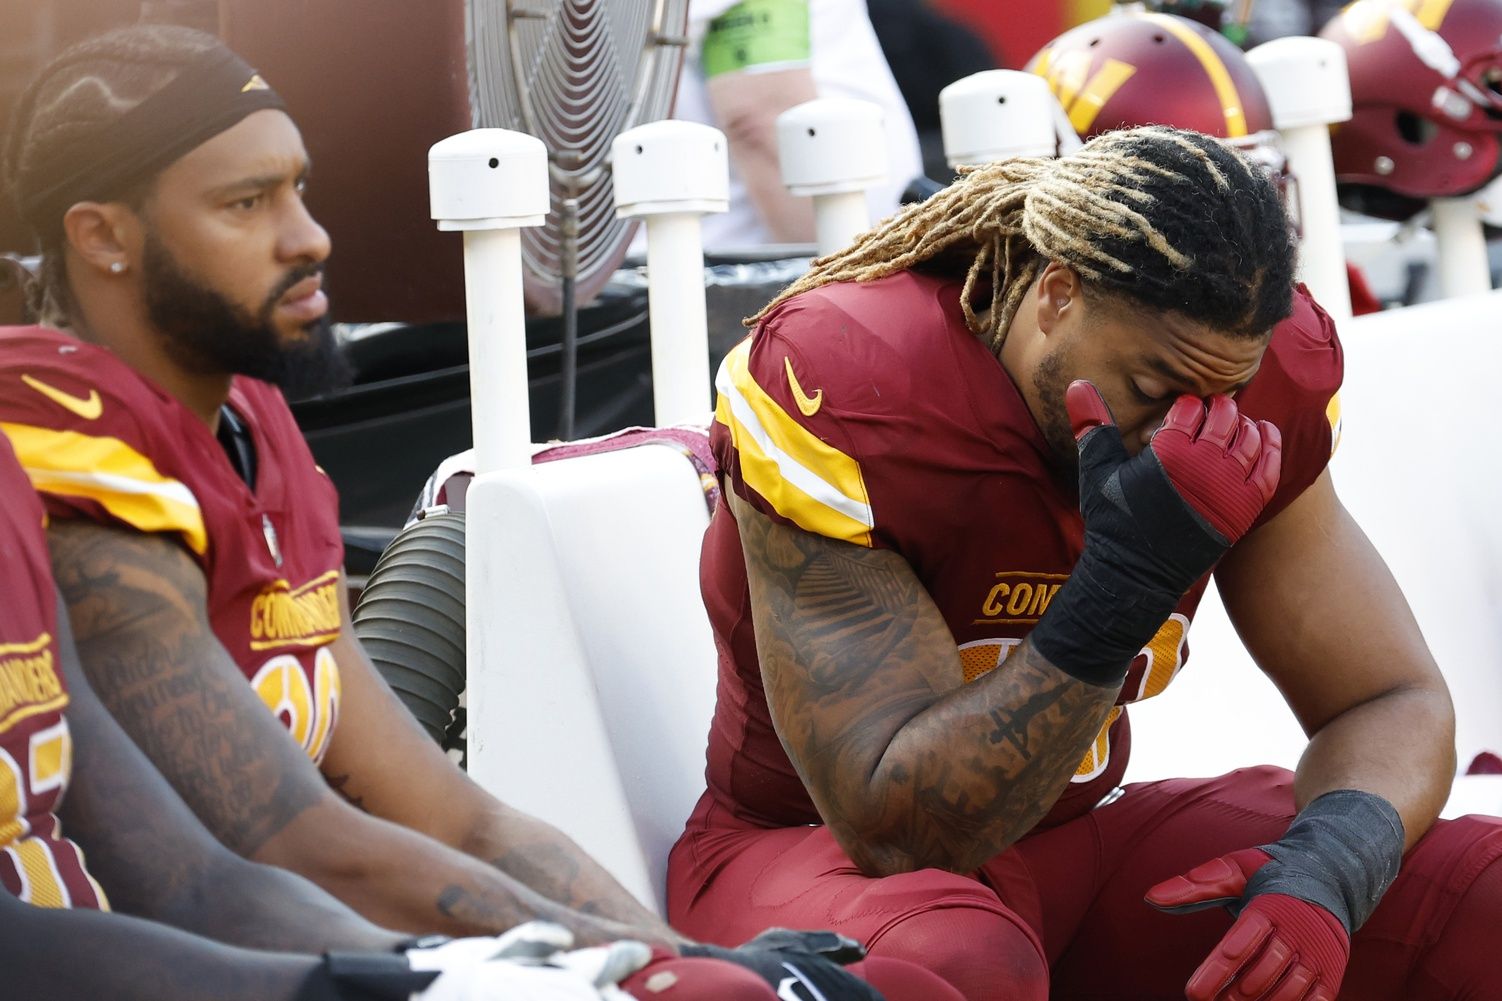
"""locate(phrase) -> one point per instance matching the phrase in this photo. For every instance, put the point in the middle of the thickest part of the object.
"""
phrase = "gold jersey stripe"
(1215, 69)
(110, 472)
(805, 479)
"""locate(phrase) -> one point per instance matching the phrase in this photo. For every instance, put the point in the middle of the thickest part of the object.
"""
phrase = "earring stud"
(117, 267)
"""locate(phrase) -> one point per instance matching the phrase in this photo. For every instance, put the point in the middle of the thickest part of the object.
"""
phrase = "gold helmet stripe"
(1215, 69)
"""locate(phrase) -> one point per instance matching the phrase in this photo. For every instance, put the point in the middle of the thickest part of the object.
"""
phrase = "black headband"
(206, 98)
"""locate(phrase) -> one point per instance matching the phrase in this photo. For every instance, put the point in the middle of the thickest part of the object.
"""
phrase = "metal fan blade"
(574, 73)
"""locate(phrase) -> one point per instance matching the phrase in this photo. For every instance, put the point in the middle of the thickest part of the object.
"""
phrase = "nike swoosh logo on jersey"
(809, 405)
(89, 408)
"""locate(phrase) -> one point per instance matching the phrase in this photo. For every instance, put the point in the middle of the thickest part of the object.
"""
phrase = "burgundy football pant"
(1062, 910)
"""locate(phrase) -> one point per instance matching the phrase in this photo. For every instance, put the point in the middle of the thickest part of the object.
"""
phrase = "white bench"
(594, 712)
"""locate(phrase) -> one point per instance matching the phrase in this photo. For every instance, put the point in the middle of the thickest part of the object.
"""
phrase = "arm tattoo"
(338, 783)
(551, 871)
(138, 607)
(908, 765)
(139, 611)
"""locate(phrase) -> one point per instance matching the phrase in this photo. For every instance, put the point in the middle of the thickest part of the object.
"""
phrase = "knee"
(983, 952)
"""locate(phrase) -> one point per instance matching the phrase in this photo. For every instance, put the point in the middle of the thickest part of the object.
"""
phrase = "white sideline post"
(1464, 267)
(671, 173)
(1309, 89)
(488, 183)
(832, 149)
(996, 114)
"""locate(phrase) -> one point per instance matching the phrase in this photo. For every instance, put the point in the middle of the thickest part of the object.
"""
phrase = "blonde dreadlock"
(1171, 219)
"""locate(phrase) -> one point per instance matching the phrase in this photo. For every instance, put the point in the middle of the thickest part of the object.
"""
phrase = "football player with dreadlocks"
(978, 468)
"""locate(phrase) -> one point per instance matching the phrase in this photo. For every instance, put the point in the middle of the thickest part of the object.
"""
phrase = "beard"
(208, 334)
(1050, 379)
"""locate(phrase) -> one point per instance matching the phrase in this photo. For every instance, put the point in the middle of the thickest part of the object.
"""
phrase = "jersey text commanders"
(307, 616)
(28, 680)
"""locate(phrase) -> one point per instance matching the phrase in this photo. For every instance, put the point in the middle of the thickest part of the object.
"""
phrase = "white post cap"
(670, 166)
(488, 179)
(832, 145)
(1306, 81)
(997, 114)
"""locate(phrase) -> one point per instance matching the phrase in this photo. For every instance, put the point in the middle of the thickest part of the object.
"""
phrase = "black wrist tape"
(1099, 622)
(376, 976)
(1341, 852)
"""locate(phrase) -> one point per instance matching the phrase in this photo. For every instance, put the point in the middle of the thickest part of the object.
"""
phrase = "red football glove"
(1224, 465)
(1155, 523)
(1281, 948)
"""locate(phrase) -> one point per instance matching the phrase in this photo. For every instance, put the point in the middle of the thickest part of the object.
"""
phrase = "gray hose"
(410, 620)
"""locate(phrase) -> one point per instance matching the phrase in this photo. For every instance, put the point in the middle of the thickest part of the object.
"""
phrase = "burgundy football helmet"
(1133, 68)
(1426, 95)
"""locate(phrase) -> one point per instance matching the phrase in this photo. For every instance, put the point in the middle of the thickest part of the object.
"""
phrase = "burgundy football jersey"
(869, 413)
(99, 441)
(37, 863)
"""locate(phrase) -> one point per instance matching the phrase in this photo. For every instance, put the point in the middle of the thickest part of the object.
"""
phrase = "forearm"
(969, 775)
(908, 765)
(404, 880)
(263, 907)
(1355, 751)
(223, 897)
(52, 955)
(543, 858)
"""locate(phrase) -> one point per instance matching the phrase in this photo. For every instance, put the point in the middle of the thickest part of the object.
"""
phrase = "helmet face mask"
(1426, 95)
(1483, 73)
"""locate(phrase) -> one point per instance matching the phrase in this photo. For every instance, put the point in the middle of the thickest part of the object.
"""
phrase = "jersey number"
(309, 711)
(50, 754)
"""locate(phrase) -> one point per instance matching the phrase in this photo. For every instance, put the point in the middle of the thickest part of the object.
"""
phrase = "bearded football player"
(197, 544)
(191, 919)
